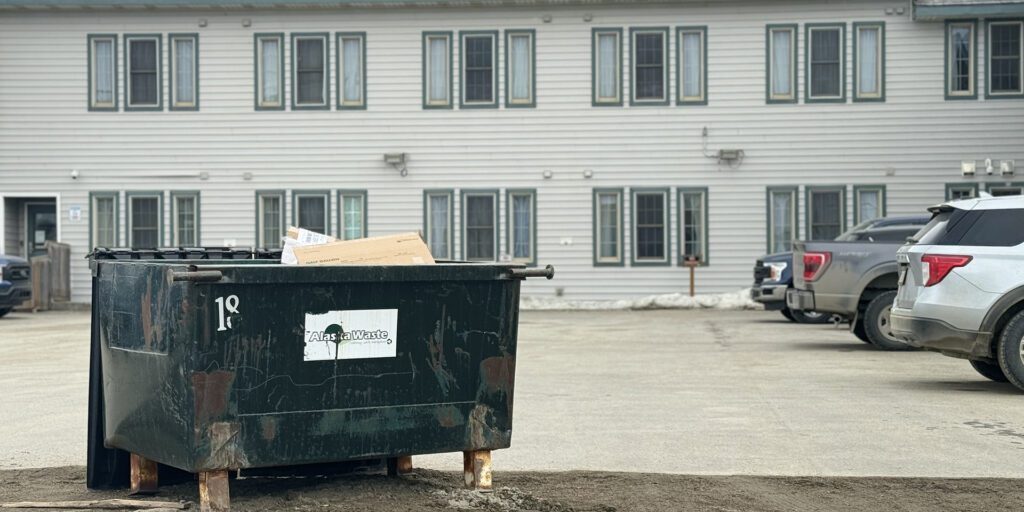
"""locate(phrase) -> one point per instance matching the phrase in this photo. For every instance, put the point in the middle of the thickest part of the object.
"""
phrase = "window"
(826, 212)
(692, 68)
(184, 62)
(142, 72)
(1004, 189)
(479, 78)
(145, 220)
(606, 49)
(608, 227)
(956, 191)
(650, 66)
(437, 70)
(310, 210)
(352, 214)
(980, 228)
(868, 202)
(693, 224)
(782, 219)
(437, 222)
(309, 67)
(479, 225)
(960, 60)
(102, 72)
(103, 219)
(269, 65)
(826, 73)
(185, 219)
(869, 61)
(1005, 52)
(269, 219)
(352, 70)
(519, 68)
(781, 58)
(650, 227)
(522, 225)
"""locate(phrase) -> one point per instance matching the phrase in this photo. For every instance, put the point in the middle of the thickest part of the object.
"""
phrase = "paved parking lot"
(697, 392)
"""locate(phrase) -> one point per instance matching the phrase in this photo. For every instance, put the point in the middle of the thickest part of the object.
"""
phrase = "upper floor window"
(437, 69)
(650, 66)
(960, 59)
(693, 214)
(869, 61)
(352, 213)
(184, 71)
(351, 70)
(437, 222)
(103, 219)
(608, 227)
(309, 63)
(185, 219)
(522, 225)
(142, 72)
(269, 219)
(1005, 58)
(479, 76)
(607, 66)
(826, 212)
(825, 54)
(102, 71)
(650, 226)
(692, 68)
(480, 226)
(781, 63)
(269, 71)
(311, 211)
(782, 219)
(519, 68)
(145, 219)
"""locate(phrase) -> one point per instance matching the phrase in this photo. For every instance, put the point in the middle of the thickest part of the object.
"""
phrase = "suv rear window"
(988, 228)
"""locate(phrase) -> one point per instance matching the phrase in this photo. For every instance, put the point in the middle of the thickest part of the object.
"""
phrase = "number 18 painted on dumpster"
(231, 305)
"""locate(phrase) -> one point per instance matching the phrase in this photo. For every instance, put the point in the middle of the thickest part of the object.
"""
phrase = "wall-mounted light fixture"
(546, 18)
(588, 173)
(246, 22)
(588, 17)
(397, 160)
(1006, 167)
(967, 168)
(202, 22)
(548, 174)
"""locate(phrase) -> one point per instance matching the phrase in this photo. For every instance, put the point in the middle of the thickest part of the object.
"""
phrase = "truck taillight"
(815, 263)
(937, 266)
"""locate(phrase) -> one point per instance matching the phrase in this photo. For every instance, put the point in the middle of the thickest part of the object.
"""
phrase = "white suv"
(961, 286)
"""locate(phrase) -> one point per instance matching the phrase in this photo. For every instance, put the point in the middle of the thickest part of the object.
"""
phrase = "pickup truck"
(856, 280)
(15, 283)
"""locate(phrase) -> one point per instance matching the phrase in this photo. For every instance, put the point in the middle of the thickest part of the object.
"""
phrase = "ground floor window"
(608, 227)
(185, 219)
(103, 219)
(1005, 189)
(826, 212)
(956, 191)
(352, 221)
(782, 219)
(693, 213)
(145, 219)
(310, 210)
(437, 222)
(479, 225)
(869, 202)
(522, 225)
(269, 219)
(650, 226)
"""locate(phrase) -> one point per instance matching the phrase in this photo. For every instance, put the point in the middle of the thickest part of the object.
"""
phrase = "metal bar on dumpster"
(198, 276)
(547, 272)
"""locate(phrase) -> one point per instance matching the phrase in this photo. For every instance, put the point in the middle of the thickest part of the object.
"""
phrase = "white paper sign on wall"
(355, 334)
(75, 213)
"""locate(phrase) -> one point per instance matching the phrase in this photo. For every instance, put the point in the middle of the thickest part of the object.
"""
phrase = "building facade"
(613, 141)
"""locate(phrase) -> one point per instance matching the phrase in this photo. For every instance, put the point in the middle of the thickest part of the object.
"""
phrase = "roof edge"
(968, 10)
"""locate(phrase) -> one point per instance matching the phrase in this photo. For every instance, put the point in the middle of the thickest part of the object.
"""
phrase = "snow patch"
(732, 301)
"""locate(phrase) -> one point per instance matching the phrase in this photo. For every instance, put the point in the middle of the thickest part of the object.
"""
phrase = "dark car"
(15, 283)
(773, 273)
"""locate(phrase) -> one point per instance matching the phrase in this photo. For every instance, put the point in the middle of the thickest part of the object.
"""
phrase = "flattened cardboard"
(400, 249)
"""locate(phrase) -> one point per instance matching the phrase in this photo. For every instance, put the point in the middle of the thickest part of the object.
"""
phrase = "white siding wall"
(913, 142)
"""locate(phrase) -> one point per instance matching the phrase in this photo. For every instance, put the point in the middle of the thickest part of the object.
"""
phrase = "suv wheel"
(786, 312)
(859, 332)
(990, 371)
(4, 311)
(877, 326)
(1011, 350)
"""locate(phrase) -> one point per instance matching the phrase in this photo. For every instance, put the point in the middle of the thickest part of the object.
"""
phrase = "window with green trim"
(692, 68)
(782, 219)
(649, 66)
(310, 70)
(1004, 189)
(480, 225)
(869, 61)
(351, 70)
(311, 211)
(781, 63)
(185, 219)
(102, 72)
(142, 72)
(825, 55)
(145, 218)
(960, 59)
(269, 219)
(606, 48)
(608, 227)
(826, 213)
(184, 70)
(955, 191)
(650, 226)
(519, 68)
(693, 236)
(103, 219)
(352, 224)
(869, 202)
(1005, 58)
(437, 69)
(479, 69)
(438, 220)
(522, 225)
(269, 71)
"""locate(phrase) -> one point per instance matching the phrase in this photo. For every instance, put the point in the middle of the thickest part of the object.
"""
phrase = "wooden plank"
(143, 475)
(100, 505)
(214, 494)
(476, 468)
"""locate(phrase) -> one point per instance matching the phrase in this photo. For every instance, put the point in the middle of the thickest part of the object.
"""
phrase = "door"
(41, 225)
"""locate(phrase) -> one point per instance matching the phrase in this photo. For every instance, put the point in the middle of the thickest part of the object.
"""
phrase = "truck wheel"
(859, 332)
(989, 370)
(811, 317)
(877, 326)
(4, 311)
(786, 312)
(1011, 350)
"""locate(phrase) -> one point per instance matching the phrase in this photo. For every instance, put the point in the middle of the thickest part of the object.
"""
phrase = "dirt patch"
(576, 491)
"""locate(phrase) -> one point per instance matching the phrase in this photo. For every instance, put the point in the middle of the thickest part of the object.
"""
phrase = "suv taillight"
(815, 263)
(937, 266)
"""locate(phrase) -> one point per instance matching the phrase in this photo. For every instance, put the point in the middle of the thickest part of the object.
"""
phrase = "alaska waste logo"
(353, 334)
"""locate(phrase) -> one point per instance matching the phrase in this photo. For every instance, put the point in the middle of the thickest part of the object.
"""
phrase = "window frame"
(1004, 184)
(258, 70)
(703, 98)
(449, 102)
(858, 96)
(810, 28)
(666, 62)
(595, 99)
(882, 200)
(794, 193)
(450, 195)
(172, 102)
(175, 195)
(619, 260)
(972, 53)
(681, 193)
(148, 107)
(635, 260)
(463, 103)
(91, 40)
(93, 196)
(465, 193)
(1019, 93)
(129, 196)
(511, 102)
(950, 187)
(339, 38)
(809, 191)
(794, 31)
(532, 194)
(325, 85)
(260, 194)
(362, 195)
(325, 194)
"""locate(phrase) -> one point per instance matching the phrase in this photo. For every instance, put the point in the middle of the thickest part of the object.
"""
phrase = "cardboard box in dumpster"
(400, 249)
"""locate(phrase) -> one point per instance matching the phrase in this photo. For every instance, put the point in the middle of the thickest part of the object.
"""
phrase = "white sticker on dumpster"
(356, 334)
